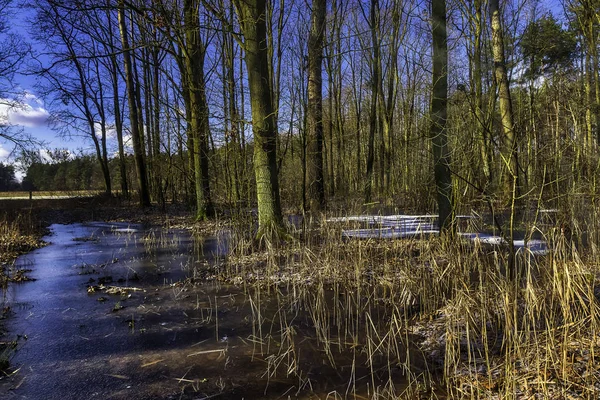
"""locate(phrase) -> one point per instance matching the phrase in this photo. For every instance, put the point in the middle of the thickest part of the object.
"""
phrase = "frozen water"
(125, 230)
(386, 233)
(406, 226)
(390, 226)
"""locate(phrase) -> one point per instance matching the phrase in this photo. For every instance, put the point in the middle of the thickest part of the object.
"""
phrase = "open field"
(37, 195)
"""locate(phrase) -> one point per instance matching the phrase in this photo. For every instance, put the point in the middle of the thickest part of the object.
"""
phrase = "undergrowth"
(425, 317)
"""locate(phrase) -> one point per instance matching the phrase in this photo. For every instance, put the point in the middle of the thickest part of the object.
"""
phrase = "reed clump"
(16, 237)
(425, 317)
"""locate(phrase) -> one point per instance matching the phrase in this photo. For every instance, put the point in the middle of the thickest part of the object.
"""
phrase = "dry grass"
(16, 239)
(419, 311)
(51, 194)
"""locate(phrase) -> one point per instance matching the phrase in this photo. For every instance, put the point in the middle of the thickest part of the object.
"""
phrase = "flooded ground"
(99, 345)
(122, 311)
(113, 314)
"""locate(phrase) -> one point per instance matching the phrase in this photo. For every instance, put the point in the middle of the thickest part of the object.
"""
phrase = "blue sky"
(25, 111)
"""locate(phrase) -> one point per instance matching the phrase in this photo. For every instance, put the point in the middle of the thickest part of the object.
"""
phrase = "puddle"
(160, 337)
(131, 345)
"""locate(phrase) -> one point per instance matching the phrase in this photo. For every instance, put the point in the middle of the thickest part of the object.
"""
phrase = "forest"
(377, 101)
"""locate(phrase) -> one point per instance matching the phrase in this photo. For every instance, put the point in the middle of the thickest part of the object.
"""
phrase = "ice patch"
(125, 230)
(407, 226)
(386, 233)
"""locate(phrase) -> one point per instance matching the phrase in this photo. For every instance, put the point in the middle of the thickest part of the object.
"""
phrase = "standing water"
(120, 311)
(109, 316)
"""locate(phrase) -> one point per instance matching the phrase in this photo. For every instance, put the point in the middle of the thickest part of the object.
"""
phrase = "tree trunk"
(375, 84)
(484, 146)
(159, 175)
(252, 14)
(357, 99)
(239, 171)
(114, 71)
(138, 150)
(190, 162)
(510, 179)
(102, 150)
(119, 127)
(316, 188)
(388, 100)
(194, 60)
(510, 157)
(439, 106)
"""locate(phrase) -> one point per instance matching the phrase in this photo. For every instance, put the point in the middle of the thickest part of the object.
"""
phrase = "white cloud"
(28, 117)
(111, 131)
(30, 97)
(3, 153)
(27, 111)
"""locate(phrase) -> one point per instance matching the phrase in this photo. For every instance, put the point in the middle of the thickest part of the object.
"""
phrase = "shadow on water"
(163, 335)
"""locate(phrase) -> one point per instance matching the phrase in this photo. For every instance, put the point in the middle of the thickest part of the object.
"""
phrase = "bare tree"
(509, 154)
(374, 20)
(439, 113)
(194, 53)
(13, 51)
(252, 16)
(316, 186)
(134, 119)
(113, 68)
(75, 74)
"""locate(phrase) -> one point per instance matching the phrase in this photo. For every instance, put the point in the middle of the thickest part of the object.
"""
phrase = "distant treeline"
(80, 173)
(8, 180)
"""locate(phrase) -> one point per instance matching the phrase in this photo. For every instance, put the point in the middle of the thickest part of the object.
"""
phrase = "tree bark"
(510, 157)
(388, 100)
(484, 147)
(316, 187)
(138, 150)
(439, 106)
(510, 181)
(375, 85)
(252, 18)
(114, 75)
(194, 59)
